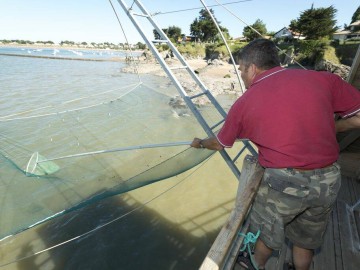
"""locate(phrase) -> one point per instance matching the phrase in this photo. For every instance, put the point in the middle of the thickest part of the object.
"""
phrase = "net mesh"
(33, 189)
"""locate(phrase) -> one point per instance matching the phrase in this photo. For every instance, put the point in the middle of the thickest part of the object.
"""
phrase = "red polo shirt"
(289, 115)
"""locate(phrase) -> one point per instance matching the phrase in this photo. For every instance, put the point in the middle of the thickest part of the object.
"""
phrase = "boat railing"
(225, 248)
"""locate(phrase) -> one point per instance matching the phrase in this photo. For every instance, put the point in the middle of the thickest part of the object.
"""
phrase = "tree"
(173, 32)
(259, 26)
(141, 46)
(356, 16)
(316, 23)
(156, 34)
(204, 29)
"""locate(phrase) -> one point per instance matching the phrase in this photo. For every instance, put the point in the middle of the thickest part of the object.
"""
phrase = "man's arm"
(348, 123)
(210, 143)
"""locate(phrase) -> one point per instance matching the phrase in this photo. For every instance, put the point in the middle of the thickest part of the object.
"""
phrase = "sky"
(95, 20)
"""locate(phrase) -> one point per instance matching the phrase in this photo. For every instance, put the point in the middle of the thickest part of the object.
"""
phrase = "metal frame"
(171, 75)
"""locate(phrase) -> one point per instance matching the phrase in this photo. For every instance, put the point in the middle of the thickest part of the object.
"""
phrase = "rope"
(63, 103)
(250, 240)
(256, 31)
(127, 41)
(227, 46)
(189, 9)
(107, 223)
(73, 110)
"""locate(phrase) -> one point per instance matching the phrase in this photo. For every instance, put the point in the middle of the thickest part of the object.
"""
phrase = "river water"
(170, 224)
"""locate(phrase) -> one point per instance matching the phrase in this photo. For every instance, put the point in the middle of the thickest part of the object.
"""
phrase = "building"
(350, 33)
(287, 34)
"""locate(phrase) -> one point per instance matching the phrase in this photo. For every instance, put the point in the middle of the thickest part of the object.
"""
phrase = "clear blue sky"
(95, 21)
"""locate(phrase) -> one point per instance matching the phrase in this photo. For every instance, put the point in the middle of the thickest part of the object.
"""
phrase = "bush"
(311, 51)
(235, 50)
(346, 53)
(191, 49)
(213, 51)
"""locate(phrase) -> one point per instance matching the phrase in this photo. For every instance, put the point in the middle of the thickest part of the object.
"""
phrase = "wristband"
(201, 145)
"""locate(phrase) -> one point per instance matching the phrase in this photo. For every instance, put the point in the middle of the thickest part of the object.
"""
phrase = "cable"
(127, 41)
(256, 31)
(227, 46)
(188, 9)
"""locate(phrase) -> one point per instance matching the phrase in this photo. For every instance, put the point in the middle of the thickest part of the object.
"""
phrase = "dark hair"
(260, 52)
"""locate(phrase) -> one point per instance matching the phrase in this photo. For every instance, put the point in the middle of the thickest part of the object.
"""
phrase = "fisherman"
(289, 115)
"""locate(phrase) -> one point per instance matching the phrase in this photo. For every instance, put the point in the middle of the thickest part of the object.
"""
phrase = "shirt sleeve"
(231, 128)
(346, 99)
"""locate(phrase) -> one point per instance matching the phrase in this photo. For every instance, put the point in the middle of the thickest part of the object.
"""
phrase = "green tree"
(356, 16)
(259, 26)
(173, 32)
(156, 34)
(141, 46)
(316, 23)
(204, 29)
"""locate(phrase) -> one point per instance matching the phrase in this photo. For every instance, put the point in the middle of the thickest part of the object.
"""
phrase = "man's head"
(256, 57)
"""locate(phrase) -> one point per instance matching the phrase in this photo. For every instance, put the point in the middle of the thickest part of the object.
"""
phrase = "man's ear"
(255, 70)
(252, 70)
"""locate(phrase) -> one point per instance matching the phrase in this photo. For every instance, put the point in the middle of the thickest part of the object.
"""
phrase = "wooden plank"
(231, 258)
(355, 70)
(326, 254)
(350, 258)
(251, 174)
(337, 239)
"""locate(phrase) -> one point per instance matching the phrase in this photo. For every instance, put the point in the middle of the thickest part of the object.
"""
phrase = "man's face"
(246, 74)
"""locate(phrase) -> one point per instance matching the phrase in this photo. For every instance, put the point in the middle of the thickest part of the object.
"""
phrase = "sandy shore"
(219, 77)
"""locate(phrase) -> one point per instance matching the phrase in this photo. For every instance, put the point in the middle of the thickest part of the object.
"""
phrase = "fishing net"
(60, 156)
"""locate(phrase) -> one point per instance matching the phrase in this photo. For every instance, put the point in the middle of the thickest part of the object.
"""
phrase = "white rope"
(127, 41)
(256, 31)
(226, 44)
(105, 224)
(72, 110)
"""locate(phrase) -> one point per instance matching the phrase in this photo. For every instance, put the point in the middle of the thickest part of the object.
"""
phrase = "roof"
(282, 30)
(356, 23)
(342, 32)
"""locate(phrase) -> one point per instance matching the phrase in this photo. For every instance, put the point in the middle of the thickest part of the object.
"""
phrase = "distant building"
(351, 32)
(341, 35)
(286, 34)
(241, 39)
(185, 39)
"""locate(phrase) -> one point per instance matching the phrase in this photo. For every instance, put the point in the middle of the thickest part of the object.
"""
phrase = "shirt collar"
(266, 74)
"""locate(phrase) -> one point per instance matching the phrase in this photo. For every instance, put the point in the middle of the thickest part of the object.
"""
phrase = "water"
(167, 225)
(67, 53)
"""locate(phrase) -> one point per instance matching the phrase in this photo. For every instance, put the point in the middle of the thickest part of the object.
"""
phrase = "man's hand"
(210, 143)
(197, 143)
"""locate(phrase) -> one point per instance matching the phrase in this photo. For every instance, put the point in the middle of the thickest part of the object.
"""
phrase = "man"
(289, 115)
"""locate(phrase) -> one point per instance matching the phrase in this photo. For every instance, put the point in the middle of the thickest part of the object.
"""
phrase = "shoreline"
(56, 46)
(219, 77)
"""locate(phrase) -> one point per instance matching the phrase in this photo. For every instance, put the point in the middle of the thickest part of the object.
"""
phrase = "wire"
(188, 9)
(256, 31)
(127, 41)
(226, 44)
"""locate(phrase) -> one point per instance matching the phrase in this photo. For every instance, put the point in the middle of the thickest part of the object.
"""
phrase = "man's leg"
(302, 258)
(261, 254)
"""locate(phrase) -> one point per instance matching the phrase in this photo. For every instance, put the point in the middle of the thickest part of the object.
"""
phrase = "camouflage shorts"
(295, 204)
